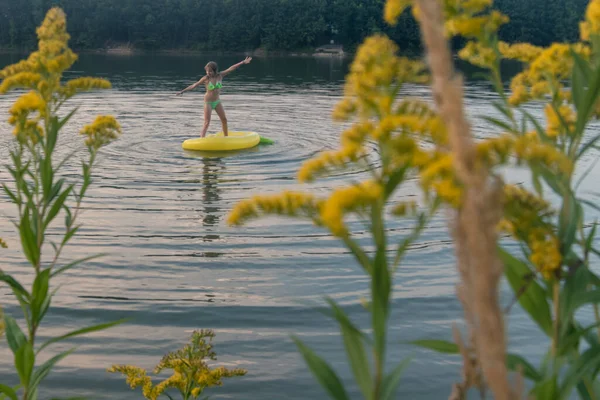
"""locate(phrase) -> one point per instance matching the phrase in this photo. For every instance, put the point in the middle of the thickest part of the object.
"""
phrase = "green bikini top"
(211, 86)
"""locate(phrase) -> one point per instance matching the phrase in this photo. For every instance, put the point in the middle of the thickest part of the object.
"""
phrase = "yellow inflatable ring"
(216, 142)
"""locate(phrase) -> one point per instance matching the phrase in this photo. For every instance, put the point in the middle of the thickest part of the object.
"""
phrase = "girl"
(213, 82)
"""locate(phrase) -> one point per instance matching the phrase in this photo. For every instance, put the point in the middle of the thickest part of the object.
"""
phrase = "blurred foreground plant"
(551, 281)
(191, 373)
(40, 194)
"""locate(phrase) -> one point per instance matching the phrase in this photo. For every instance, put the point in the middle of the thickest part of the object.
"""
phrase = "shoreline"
(131, 51)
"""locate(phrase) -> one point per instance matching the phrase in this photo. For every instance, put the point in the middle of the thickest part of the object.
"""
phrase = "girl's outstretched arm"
(193, 86)
(236, 66)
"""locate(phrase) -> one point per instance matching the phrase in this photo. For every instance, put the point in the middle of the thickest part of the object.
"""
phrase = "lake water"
(175, 266)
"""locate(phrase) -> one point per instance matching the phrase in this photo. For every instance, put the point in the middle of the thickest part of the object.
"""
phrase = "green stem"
(380, 296)
(556, 297)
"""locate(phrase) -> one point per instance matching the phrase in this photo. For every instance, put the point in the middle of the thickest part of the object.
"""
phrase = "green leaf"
(551, 179)
(589, 240)
(29, 240)
(323, 372)
(75, 263)
(14, 285)
(502, 108)
(80, 332)
(582, 367)
(441, 346)
(569, 220)
(10, 194)
(355, 349)
(394, 180)
(12, 395)
(501, 124)
(66, 119)
(532, 296)
(539, 128)
(587, 103)
(588, 145)
(60, 201)
(39, 294)
(24, 362)
(514, 360)
(14, 336)
(581, 71)
(56, 189)
(47, 176)
(46, 367)
(70, 234)
(52, 135)
(389, 386)
(572, 340)
(546, 389)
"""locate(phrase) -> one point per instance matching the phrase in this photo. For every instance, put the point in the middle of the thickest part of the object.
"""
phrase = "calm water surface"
(175, 266)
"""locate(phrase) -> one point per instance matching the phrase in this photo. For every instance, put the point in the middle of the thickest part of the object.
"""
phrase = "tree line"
(240, 25)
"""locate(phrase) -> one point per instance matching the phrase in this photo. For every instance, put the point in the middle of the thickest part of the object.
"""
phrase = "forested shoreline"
(248, 25)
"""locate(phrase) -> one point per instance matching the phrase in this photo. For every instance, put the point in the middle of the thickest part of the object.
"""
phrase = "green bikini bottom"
(213, 104)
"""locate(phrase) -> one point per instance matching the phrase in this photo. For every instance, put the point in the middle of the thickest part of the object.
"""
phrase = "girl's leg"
(221, 113)
(207, 114)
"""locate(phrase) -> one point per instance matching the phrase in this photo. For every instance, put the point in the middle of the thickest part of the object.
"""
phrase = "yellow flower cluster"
(191, 373)
(546, 69)
(530, 148)
(375, 75)
(3, 244)
(470, 26)
(523, 52)
(325, 161)
(561, 123)
(545, 253)
(102, 131)
(287, 203)
(343, 200)
(591, 25)
(478, 54)
(524, 213)
(393, 9)
(27, 129)
(79, 85)
(497, 150)
(41, 73)
(437, 174)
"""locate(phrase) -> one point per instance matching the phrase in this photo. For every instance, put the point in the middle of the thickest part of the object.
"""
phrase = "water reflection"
(211, 169)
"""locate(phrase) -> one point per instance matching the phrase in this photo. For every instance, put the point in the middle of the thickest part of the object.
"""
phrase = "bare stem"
(479, 266)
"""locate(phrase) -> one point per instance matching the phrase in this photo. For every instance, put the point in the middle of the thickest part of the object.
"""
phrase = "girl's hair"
(213, 65)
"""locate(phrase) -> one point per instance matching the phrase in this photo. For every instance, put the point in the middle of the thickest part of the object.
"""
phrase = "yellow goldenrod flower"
(478, 54)
(101, 132)
(393, 9)
(190, 369)
(351, 152)
(545, 253)
(523, 52)
(563, 124)
(288, 203)
(345, 200)
(27, 80)
(591, 25)
(83, 85)
(475, 26)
